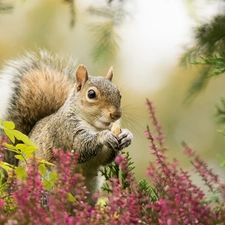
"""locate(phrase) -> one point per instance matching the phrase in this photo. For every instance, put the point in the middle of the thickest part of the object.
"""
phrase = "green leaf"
(10, 147)
(47, 185)
(42, 169)
(71, 198)
(21, 172)
(29, 156)
(10, 135)
(6, 166)
(102, 201)
(20, 157)
(21, 147)
(53, 176)
(22, 137)
(25, 149)
(29, 149)
(45, 162)
(9, 125)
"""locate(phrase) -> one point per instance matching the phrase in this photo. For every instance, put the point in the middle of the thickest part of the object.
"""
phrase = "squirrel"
(58, 105)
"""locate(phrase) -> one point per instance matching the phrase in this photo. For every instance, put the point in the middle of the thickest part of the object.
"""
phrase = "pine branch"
(216, 63)
(103, 12)
(189, 56)
(104, 31)
(123, 173)
(116, 13)
(212, 66)
(148, 190)
(198, 85)
(220, 111)
(109, 172)
(208, 51)
(72, 5)
(210, 36)
(105, 41)
(5, 8)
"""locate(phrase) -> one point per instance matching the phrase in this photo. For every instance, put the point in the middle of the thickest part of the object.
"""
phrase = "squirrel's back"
(34, 87)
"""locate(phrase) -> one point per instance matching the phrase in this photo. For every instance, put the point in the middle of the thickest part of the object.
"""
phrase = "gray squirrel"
(58, 105)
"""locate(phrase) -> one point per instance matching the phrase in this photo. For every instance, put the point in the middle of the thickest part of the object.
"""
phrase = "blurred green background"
(144, 41)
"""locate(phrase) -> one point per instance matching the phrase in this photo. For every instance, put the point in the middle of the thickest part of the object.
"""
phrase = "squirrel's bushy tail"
(34, 87)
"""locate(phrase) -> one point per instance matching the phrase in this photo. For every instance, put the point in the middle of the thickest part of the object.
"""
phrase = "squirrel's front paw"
(109, 139)
(125, 139)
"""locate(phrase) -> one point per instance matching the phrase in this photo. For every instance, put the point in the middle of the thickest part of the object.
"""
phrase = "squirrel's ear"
(81, 76)
(109, 75)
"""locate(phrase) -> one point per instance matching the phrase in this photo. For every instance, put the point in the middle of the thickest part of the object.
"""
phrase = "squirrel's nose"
(115, 115)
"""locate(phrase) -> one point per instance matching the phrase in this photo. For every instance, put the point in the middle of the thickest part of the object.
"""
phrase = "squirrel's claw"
(109, 139)
(125, 138)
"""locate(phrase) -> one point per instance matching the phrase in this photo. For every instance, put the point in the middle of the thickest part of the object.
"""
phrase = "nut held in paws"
(116, 129)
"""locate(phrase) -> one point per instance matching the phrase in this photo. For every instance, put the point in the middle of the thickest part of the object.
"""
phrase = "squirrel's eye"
(91, 94)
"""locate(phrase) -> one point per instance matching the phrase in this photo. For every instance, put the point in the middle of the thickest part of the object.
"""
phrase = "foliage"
(208, 52)
(216, 65)
(169, 197)
(105, 41)
(209, 40)
(104, 30)
(105, 21)
(222, 159)
(220, 111)
(5, 7)
(72, 5)
(113, 171)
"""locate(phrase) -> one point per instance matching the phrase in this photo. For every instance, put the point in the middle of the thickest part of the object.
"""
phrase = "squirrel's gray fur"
(45, 103)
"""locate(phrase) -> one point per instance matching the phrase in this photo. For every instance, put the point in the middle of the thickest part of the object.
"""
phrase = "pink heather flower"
(211, 180)
(159, 136)
(118, 159)
(2, 204)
